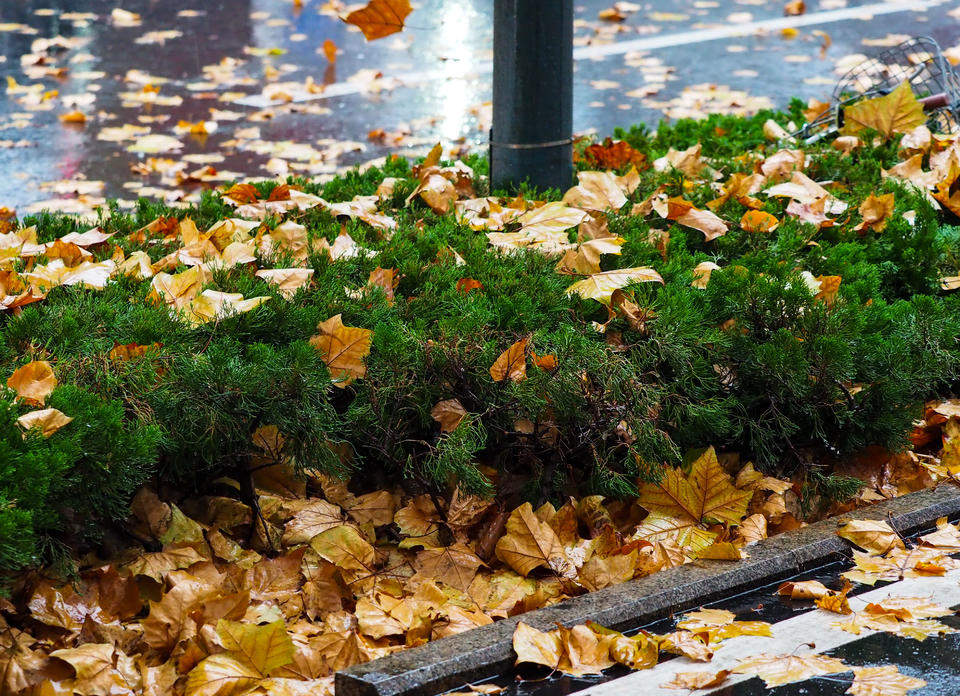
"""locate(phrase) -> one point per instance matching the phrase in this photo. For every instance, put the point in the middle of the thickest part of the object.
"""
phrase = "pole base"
(540, 165)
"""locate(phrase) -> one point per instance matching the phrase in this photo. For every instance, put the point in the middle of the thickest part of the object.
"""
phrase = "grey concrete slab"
(481, 652)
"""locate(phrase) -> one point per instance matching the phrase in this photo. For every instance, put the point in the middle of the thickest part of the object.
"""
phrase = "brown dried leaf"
(380, 18)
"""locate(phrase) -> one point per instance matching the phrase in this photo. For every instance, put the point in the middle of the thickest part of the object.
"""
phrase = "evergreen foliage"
(753, 363)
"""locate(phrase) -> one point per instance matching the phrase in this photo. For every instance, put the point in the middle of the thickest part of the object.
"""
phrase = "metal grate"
(918, 61)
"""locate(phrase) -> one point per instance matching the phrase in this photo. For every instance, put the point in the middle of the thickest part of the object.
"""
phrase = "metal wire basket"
(918, 61)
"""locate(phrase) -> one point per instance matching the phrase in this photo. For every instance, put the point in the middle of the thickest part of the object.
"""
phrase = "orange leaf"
(243, 193)
(613, 154)
(330, 51)
(73, 117)
(344, 349)
(465, 285)
(380, 18)
(875, 210)
(545, 362)
(33, 382)
(512, 363)
(758, 221)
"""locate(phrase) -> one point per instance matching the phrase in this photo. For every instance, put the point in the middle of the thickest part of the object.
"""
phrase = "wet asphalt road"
(222, 50)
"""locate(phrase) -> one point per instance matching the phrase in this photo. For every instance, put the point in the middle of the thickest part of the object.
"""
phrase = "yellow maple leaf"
(344, 349)
(720, 624)
(836, 602)
(178, 290)
(706, 495)
(96, 673)
(454, 565)
(882, 681)
(344, 547)
(529, 542)
(253, 653)
(873, 536)
(776, 670)
(897, 112)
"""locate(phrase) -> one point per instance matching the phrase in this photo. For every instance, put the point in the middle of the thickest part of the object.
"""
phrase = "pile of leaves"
(395, 406)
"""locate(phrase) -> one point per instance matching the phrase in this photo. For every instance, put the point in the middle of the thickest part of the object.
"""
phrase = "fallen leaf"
(701, 274)
(706, 221)
(537, 647)
(528, 543)
(380, 18)
(697, 680)
(344, 349)
(449, 413)
(882, 681)
(875, 211)
(777, 670)
(33, 382)
(596, 191)
(512, 363)
(874, 536)
(706, 495)
(758, 221)
(803, 589)
(601, 286)
(96, 673)
(896, 112)
(454, 565)
(253, 653)
(48, 420)
(286, 280)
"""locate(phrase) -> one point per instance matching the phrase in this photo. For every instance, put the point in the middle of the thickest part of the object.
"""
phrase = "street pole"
(532, 135)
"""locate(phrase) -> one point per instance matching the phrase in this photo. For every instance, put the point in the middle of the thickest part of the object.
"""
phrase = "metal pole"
(531, 139)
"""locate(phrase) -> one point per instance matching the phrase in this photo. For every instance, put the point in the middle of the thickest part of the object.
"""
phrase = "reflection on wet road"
(140, 97)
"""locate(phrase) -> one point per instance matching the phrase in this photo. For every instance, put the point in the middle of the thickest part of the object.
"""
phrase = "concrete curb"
(482, 652)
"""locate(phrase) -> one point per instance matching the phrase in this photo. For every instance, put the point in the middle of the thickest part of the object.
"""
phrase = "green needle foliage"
(752, 363)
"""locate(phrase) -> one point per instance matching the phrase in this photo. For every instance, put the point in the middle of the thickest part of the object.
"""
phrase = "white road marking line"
(602, 51)
(761, 25)
(812, 626)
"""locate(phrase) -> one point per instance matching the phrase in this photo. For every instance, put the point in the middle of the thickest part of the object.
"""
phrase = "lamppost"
(532, 135)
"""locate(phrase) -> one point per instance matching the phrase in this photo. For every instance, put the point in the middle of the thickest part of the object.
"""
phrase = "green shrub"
(753, 363)
(63, 489)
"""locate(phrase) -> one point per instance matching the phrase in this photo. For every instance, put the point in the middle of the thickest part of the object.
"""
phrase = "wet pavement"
(184, 94)
(936, 659)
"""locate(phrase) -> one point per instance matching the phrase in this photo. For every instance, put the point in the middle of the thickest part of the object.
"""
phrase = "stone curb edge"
(481, 652)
